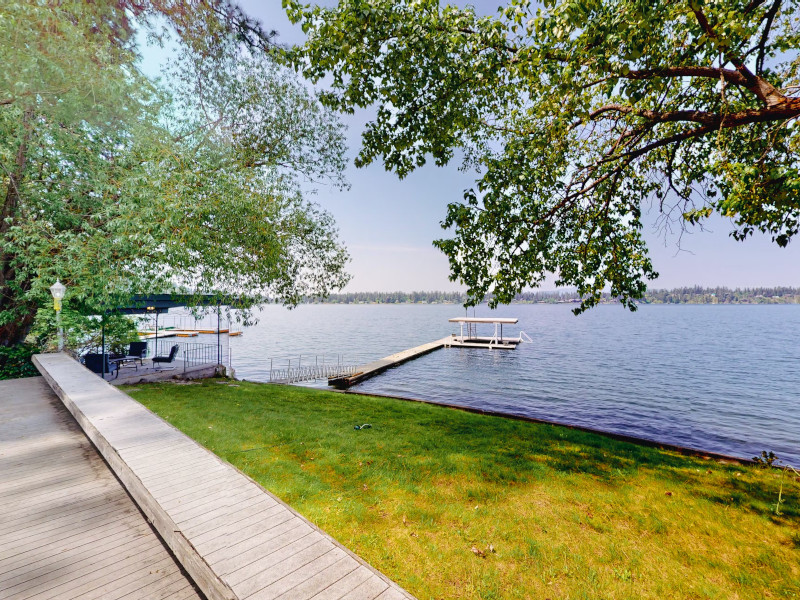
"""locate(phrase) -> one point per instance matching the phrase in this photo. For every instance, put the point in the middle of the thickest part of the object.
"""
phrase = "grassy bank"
(457, 505)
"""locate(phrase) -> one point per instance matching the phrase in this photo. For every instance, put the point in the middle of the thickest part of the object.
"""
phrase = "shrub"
(15, 361)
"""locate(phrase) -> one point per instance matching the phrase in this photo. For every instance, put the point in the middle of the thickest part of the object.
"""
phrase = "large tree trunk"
(15, 332)
(19, 313)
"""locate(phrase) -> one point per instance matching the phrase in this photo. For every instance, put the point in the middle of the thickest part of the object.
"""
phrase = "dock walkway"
(67, 527)
(236, 540)
(379, 366)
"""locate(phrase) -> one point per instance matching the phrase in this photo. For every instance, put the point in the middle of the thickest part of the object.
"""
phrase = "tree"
(576, 114)
(116, 185)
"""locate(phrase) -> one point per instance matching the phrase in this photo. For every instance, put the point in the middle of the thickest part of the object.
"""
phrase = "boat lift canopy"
(495, 341)
(499, 320)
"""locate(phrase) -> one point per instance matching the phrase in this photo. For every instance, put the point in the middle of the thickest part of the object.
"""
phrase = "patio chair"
(94, 362)
(173, 352)
(137, 350)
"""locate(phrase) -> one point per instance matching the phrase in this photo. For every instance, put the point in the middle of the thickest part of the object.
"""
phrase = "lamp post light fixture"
(58, 290)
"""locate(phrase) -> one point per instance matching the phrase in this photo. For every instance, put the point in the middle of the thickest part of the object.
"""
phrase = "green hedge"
(15, 361)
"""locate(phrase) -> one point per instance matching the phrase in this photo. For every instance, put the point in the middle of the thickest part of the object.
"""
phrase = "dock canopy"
(500, 320)
(160, 303)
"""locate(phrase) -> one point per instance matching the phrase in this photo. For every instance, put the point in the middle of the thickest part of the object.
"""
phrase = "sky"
(388, 224)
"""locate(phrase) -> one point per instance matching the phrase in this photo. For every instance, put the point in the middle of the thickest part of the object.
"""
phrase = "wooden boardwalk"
(67, 527)
(377, 367)
(235, 539)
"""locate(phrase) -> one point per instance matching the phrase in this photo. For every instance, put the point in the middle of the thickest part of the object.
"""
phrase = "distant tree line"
(724, 295)
(682, 295)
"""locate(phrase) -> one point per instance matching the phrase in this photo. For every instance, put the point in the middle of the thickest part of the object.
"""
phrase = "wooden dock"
(379, 366)
(68, 529)
(236, 540)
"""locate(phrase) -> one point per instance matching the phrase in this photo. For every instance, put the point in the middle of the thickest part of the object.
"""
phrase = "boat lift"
(496, 341)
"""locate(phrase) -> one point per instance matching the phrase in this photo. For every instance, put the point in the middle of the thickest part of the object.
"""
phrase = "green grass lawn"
(452, 504)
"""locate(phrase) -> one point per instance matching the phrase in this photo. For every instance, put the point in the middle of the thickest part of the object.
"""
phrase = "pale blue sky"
(388, 224)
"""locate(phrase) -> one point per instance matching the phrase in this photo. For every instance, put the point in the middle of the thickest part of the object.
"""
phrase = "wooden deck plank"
(225, 546)
(160, 463)
(287, 580)
(270, 573)
(154, 452)
(237, 568)
(249, 512)
(392, 594)
(38, 479)
(42, 583)
(40, 565)
(183, 476)
(345, 585)
(44, 532)
(145, 449)
(168, 589)
(74, 539)
(370, 589)
(27, 463)
(237, 489)
(107, 587)
(29, 448)
(80, 511)
(235, 539)
(322, 580)
(157, 578)
(60, 546)
(63, 491)
(65, 522)
(87, 579)
(71, 535)
(196, 487)
(71, 567)
(224, 502)
(184, 594)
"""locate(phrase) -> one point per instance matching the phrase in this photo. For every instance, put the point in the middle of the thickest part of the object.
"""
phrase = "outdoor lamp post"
(58, 289)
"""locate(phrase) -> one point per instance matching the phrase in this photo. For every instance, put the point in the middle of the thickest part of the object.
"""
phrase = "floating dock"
(469, 340)
(185, 333)
(379, 366)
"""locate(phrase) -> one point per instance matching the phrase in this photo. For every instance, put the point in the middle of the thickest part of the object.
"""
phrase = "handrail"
(312, 369)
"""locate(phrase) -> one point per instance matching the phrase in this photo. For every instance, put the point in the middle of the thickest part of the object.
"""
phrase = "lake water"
(717, 378)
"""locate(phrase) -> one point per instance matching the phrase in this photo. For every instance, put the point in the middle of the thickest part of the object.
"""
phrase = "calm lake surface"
(718, 378)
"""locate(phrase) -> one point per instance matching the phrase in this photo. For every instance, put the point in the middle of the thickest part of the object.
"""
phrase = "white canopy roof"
(502, 321)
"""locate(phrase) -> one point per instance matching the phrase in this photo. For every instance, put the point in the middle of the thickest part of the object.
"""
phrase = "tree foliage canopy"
(117, 184)
(576, 113)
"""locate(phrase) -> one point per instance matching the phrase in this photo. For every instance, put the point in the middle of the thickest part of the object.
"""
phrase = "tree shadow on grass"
(506, 451)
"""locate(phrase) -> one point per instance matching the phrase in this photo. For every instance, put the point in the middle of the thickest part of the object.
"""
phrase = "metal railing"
(308, 368)
(190, 354)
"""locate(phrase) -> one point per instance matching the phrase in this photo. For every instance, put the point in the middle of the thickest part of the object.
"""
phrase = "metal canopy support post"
(103, 344)
(155, 350)
(218, 344)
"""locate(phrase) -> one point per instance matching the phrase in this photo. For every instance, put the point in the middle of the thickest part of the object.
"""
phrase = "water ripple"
(717, 378)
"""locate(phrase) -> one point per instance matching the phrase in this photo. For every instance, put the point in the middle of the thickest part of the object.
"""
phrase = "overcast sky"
(388, 224)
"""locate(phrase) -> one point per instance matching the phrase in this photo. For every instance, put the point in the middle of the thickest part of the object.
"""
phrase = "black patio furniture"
(138, 350)
(173, 352)
(101, 363)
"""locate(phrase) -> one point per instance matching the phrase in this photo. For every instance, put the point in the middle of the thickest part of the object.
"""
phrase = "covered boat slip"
(498, 340)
